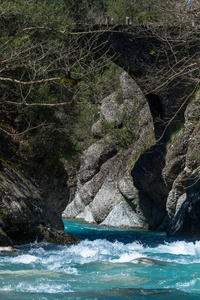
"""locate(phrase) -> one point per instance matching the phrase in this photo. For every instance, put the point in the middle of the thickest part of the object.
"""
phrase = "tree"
(139, 11)
(44, 48)
(43, 42)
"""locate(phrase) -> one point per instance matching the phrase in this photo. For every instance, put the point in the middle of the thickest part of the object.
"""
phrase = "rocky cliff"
(163, 191)
(105, 191)
(132, 176)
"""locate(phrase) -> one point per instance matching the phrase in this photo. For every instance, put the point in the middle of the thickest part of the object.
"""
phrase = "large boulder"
(24, 208)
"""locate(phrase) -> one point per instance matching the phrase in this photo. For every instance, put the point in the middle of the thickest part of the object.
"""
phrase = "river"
(107, 264)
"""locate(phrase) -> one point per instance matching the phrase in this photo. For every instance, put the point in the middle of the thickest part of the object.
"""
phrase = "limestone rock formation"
(105, 192)
(183, 201)
(163, 191)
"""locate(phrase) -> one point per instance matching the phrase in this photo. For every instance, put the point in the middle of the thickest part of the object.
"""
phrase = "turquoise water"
(107, 264)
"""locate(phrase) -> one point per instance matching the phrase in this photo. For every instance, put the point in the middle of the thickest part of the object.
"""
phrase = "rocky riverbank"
(29, 213)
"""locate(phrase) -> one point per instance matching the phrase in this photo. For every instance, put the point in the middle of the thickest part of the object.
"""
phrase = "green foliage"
(175, 134)
(152, 52)
(123, 135)
(82, 135)
(98, 4)
(119, 96)
(101, 84)
(133, 161)
(43, 149)
(139, 11)
(20, 15)
(36, 44)
(52, 134)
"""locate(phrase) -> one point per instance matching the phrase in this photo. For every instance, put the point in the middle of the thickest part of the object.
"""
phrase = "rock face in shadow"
(182, 174)
(25, 211)
(186, 222)
(163, 173)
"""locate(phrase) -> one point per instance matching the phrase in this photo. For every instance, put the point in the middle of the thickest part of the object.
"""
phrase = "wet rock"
(86, 192)
(5, 240)
(86, 215)
(46, 234)
(186, 222)
(186, 142)
(8, 248)
(177, 193)
(150, 262)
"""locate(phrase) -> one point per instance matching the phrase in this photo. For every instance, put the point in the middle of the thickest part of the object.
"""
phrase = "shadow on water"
(116, 294)
(93, 232)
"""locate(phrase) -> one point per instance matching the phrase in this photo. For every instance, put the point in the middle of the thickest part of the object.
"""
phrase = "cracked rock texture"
(152, 185)
(105, 192)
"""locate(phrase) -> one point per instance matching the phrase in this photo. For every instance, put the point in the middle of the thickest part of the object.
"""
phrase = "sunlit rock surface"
(156, 195)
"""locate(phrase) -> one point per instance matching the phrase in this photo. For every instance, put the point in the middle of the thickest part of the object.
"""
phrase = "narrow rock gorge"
(138, 166)
(163, 188)
(132, 176)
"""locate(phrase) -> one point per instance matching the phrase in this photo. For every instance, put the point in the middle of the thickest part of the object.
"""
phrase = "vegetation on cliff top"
(39, 113)
(43, 120)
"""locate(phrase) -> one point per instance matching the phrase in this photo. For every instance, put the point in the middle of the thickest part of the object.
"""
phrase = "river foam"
(128, 263)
